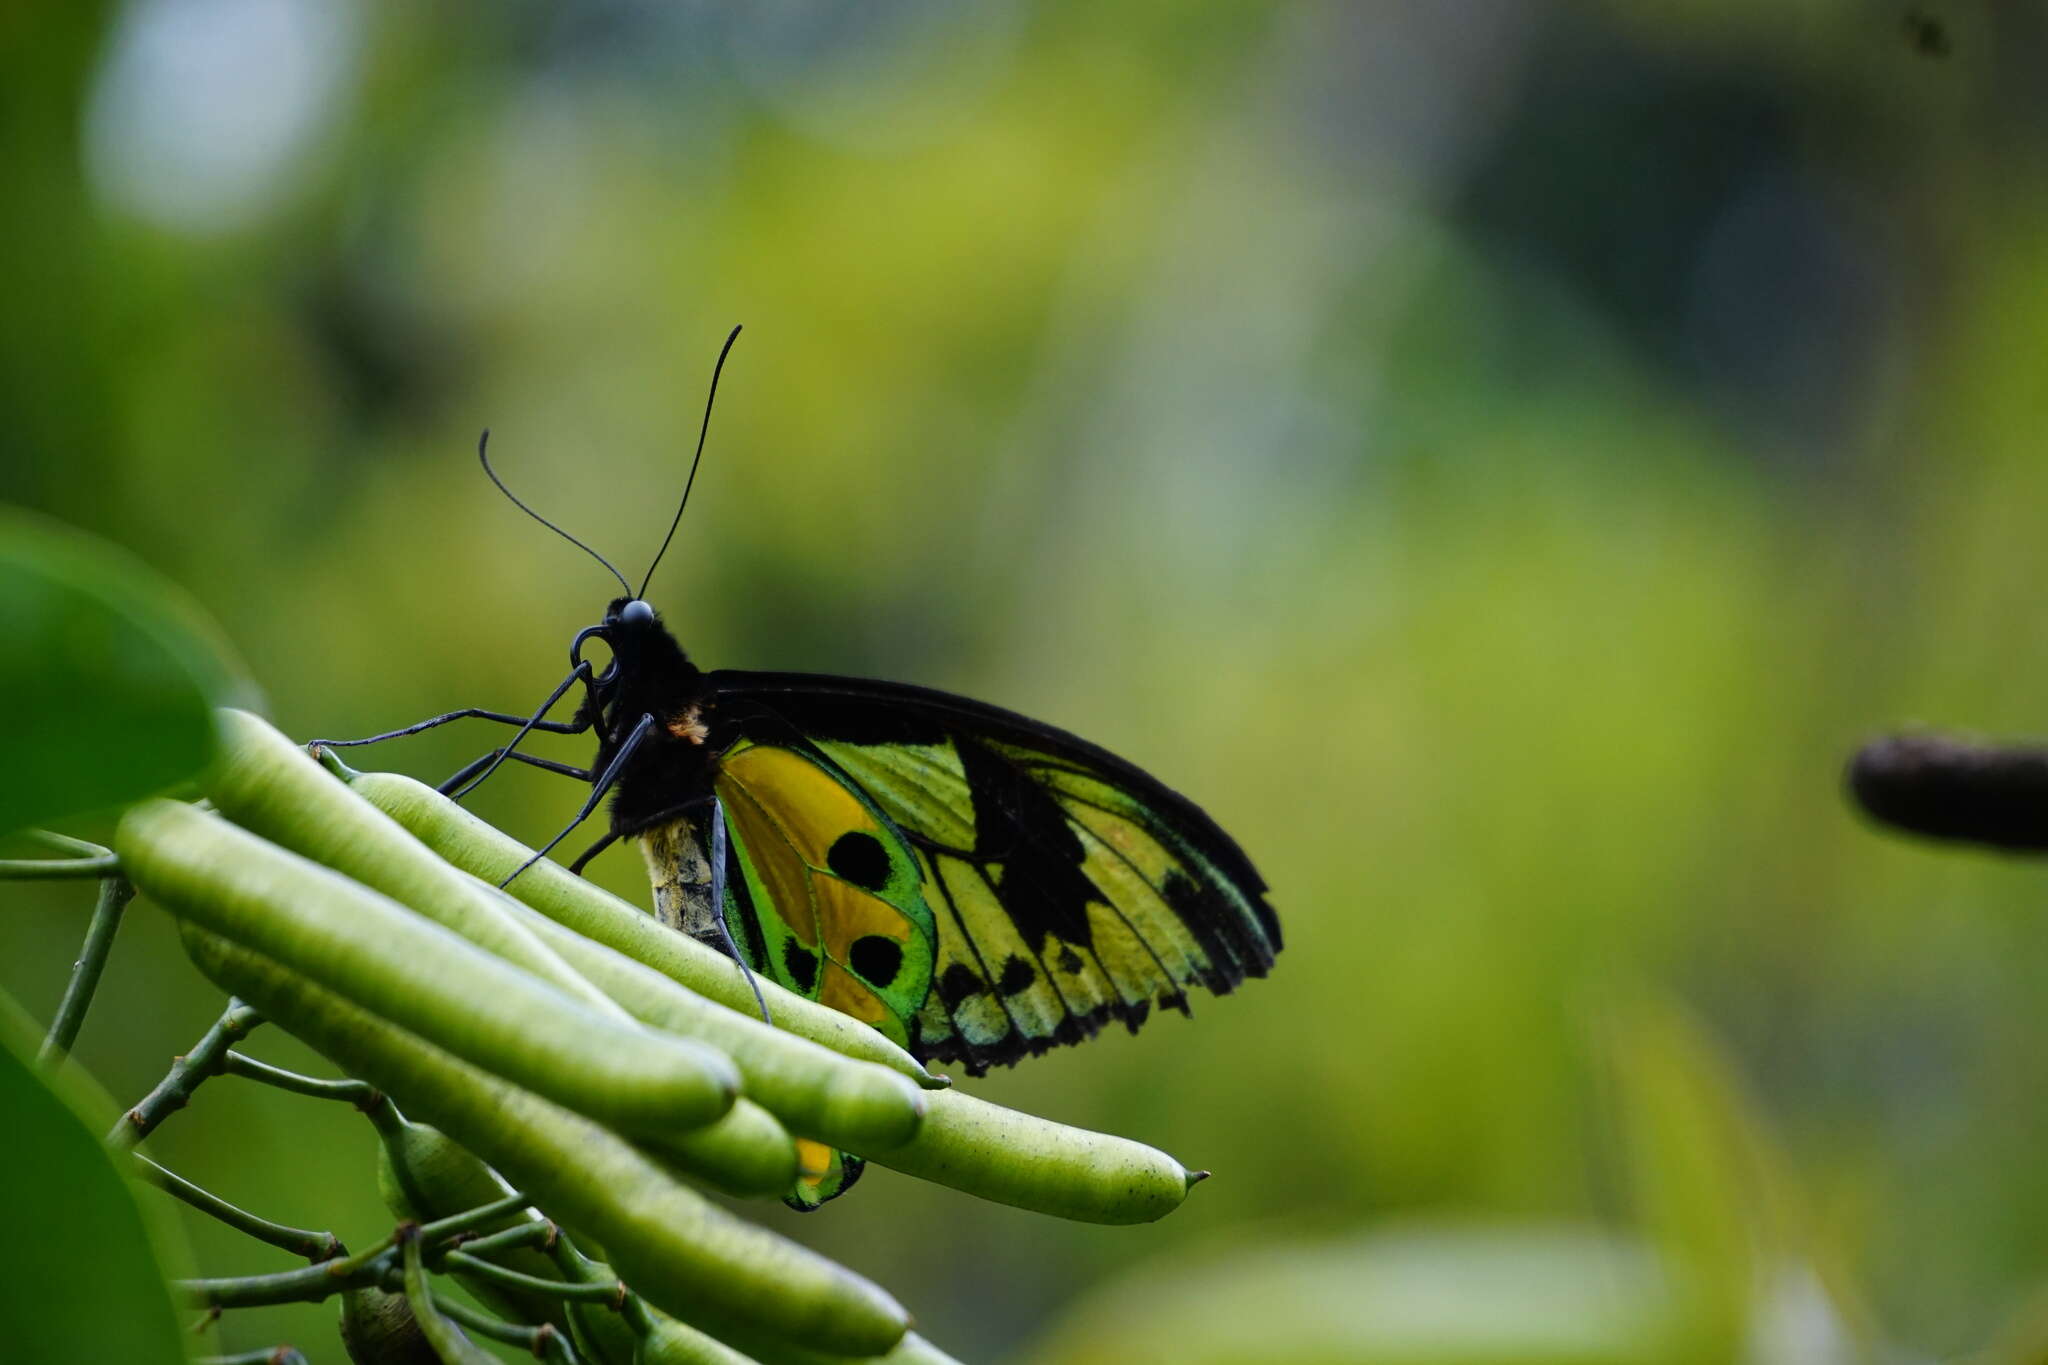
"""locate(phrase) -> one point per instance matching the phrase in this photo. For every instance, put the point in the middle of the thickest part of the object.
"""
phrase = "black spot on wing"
(1069, 961)
(1017, 976)
(860, 858)
(876, 959)
(801, 964)
(958, 982)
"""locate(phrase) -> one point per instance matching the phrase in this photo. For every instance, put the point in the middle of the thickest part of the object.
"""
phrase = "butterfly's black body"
(669, 772)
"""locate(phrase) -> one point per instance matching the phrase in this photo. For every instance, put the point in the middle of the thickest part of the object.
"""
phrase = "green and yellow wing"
(1060, 886)
(828, 900)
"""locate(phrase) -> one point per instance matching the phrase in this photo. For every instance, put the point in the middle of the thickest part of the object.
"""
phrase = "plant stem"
(542, 1340)
(437, 1327)
(525, 1234)
(611, 1294)
(314, 1246)
(206, 1058)
(115, 893)
(274, 1355)
(85, 860)
(310, 1284)
(442, 1228)
(358, 1093)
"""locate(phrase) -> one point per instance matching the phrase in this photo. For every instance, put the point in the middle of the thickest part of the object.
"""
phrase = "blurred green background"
(1499, 458)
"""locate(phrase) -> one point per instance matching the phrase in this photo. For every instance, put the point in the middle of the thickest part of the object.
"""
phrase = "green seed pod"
(746, 1153)
(423, 1175)
(373, 951)
(1019, 1159)
(679, 1251)
(270, 786)
(566, 898)
(815, 1091)
(378, 1328)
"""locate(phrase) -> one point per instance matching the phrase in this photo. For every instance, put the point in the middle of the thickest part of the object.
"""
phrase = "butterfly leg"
(495, 756)
(718, 906)
(580, 671)
(553, 727)
(597, 792)
(600, 846)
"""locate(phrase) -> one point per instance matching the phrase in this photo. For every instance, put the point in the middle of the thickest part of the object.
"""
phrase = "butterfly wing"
(849, 926)
(1066, 887)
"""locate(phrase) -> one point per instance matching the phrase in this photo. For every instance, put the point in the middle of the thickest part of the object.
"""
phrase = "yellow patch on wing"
(845, 992)
(810, 809)
(813, 1160)
(790, 812)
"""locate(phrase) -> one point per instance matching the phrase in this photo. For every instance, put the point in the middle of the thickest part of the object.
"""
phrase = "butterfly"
(977, 885)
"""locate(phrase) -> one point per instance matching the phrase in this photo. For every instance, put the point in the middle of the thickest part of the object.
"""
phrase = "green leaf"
(80, 1271)
(108, 677)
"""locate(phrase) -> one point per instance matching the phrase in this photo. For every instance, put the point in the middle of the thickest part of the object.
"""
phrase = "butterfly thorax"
(669, 774)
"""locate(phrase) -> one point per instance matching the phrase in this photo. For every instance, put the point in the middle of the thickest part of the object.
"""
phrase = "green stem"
(310, 1284)
(314, 1246)
(600, 1292)
(85, 860)
(542, 1340)
(316, 1282)
(206, 1058)
(524, 1234)
(442, 1228)
(359, 1093)
(436, 1326)
(115, 893)
(273, 1355)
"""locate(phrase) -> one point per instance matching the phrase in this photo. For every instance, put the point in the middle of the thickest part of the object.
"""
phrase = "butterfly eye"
(636, 613)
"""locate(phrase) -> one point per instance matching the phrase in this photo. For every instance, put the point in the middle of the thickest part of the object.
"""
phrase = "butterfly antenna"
(702, 431)
(482, 453)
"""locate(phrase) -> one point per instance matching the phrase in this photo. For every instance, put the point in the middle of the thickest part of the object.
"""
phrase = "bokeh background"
(1499, 457)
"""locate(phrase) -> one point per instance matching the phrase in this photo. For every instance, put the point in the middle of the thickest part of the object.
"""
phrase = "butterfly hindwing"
(838, 912)
(1065, 887)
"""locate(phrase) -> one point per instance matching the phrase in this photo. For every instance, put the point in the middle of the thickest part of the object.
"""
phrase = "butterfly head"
(633, 631)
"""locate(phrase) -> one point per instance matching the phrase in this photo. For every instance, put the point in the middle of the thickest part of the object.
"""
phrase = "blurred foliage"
(1498, 458)
(111, 672)
(82, 1271)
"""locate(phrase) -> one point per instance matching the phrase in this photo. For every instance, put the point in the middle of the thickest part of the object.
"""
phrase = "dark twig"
(1948, 788)
(206, 1058)
(359, 1093)
(115, 893)
(314, 1246)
